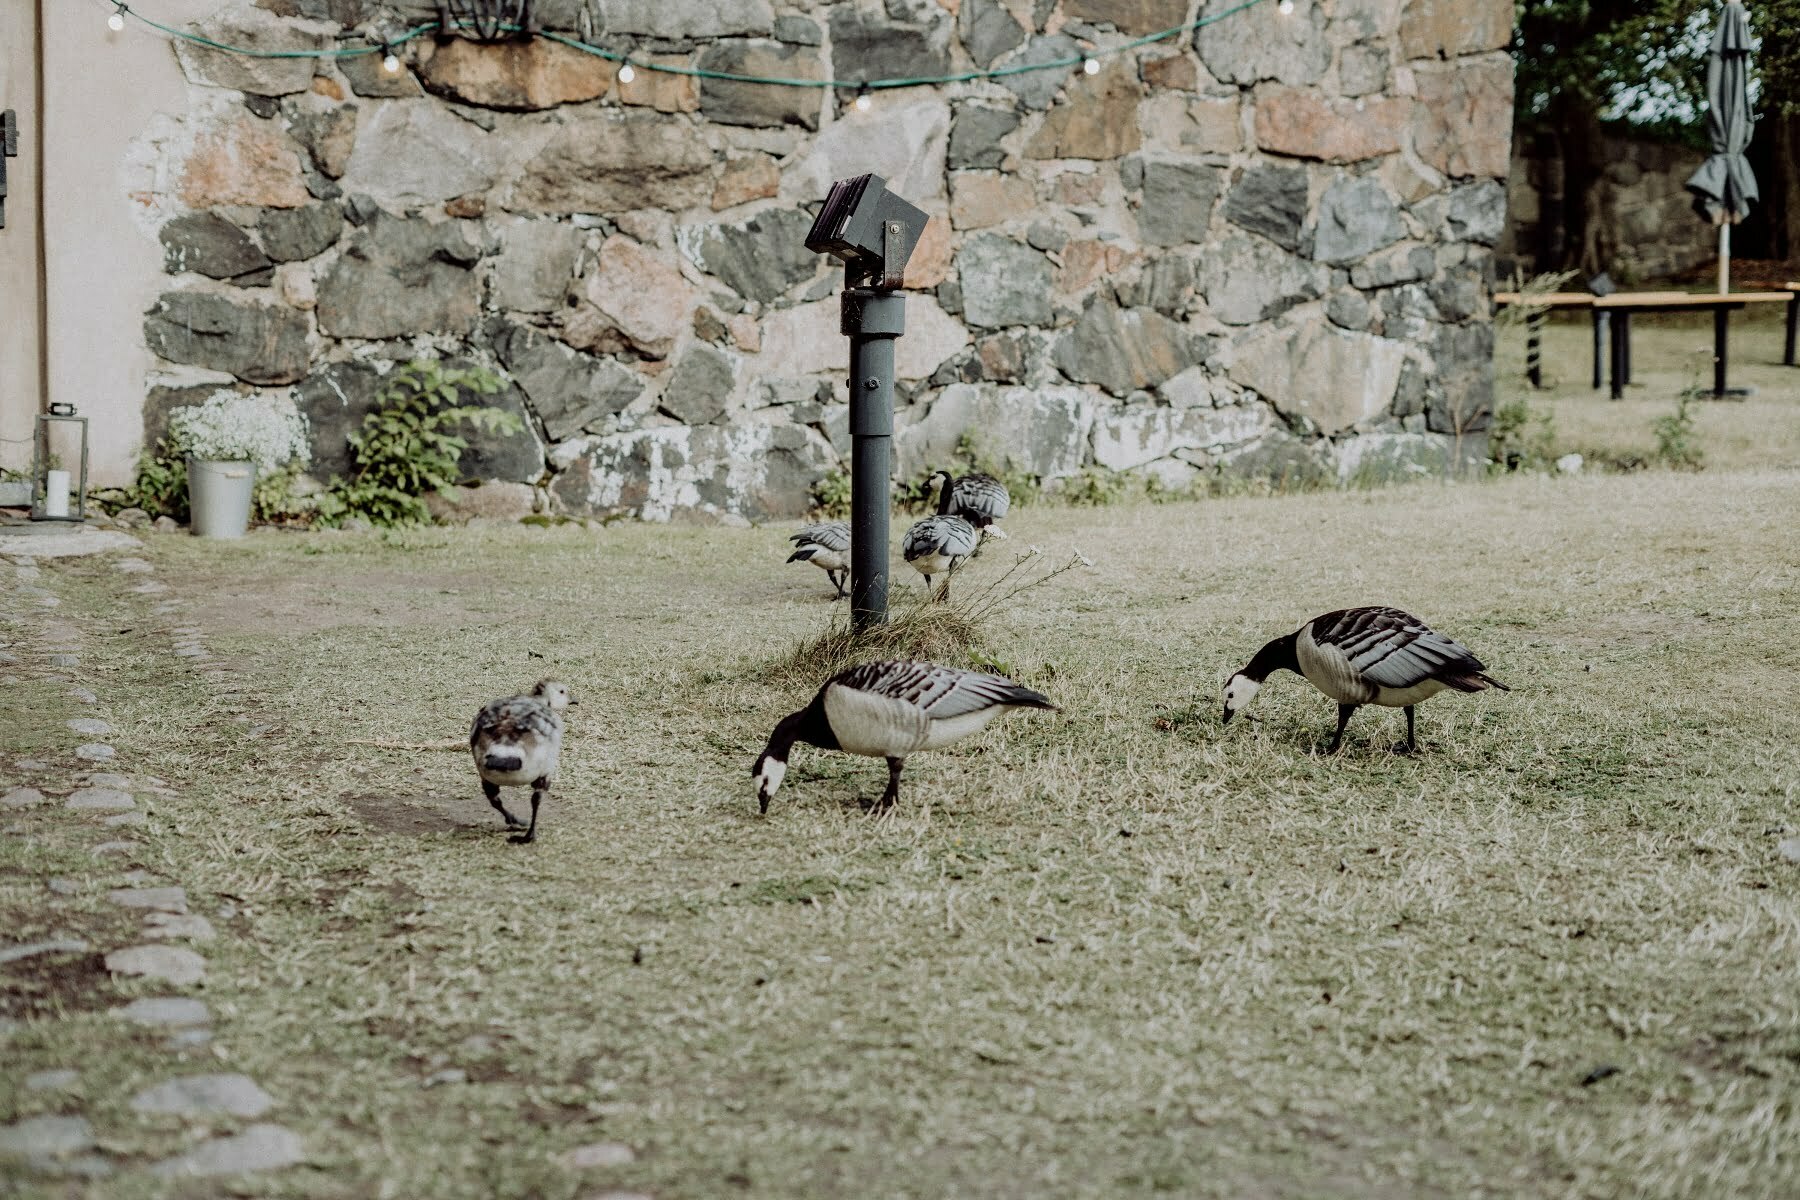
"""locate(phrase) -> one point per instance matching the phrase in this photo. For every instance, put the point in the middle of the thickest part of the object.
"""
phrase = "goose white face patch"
(769, 773)
(1240, 690)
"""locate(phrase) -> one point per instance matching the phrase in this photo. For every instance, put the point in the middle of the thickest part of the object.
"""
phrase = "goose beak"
(1226, 719)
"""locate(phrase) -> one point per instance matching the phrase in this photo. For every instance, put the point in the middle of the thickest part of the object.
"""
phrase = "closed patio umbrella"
(1724, 185)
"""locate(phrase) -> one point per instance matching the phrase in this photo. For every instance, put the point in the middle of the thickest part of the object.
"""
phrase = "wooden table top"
(1687, 299)
(1549, 299)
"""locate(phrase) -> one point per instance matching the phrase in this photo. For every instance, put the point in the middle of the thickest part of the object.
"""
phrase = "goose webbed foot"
(1345, 712)
(1411, 744)
(891, 796)
(530, 834)
(492, 792)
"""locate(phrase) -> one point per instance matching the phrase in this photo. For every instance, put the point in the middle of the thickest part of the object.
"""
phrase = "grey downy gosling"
(1361, 656)
(937, 546)
(977, 498)
(517, 742)
(889, 710)
(826, 547)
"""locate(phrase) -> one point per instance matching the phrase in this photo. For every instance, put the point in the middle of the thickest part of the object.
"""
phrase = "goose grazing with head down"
(826, 547)
(517, 742)
(937, 546)
(888, 710)
(977, 498)
(1361, 656)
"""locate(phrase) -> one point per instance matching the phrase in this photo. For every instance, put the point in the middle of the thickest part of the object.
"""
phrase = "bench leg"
(1619, 355)
(1793, 327)
(1720, 335)
(1602, 326)
(1534, 360)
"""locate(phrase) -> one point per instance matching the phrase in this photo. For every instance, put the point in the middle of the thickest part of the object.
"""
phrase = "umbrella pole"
(1724, 258)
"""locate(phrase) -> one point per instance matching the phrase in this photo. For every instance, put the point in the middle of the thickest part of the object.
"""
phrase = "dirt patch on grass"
(302, 602)
(419, 814)
(47, 985)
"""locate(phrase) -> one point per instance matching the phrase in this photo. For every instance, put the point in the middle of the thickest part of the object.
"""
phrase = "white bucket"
(219, 497)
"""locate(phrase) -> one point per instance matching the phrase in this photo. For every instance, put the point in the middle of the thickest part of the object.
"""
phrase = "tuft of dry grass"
(920, 626)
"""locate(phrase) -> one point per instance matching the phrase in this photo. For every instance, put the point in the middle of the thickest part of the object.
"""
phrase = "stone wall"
(1262, 248)
(1646, 227)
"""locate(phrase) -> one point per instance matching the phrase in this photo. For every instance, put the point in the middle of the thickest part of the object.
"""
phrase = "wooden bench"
(1620, 308)
(1535, 308)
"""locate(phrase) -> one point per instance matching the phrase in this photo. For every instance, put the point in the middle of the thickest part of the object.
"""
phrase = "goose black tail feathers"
(804, 554)
(1479, 681)
(1026, 698)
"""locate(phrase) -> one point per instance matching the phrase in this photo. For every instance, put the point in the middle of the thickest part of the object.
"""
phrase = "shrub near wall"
(1260, 248)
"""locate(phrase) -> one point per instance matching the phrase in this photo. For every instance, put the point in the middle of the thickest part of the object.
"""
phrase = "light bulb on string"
(863, 102)
(1285, 8)
(116, 22)
(627, 72)
(1091, 66)
(391, 63)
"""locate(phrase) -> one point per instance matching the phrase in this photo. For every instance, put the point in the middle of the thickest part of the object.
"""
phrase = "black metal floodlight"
(870, 228)
(873, 231)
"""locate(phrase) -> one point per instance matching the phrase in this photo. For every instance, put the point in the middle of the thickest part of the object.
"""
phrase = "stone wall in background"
(1261, 249)
(1646, 225)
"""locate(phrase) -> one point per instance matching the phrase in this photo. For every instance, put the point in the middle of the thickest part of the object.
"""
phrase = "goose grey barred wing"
(1393, 648)
(949, 536)
(981, 499)
(833, 535)
(937, 691)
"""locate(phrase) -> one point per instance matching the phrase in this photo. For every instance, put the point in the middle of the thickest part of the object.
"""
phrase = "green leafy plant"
(409, 446)
(1520, 439)
(1094, 487)
(831, 495)
(160, 486)
(1677, 442)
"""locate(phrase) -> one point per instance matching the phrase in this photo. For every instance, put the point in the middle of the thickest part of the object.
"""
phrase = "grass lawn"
(1118, 951)
(1670, 353)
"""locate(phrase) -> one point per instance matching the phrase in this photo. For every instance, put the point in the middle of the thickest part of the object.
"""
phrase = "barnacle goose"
(977, 498)
(826, 547)
(1361, 656)
(888, 710)
(937, 546)
(516, 742)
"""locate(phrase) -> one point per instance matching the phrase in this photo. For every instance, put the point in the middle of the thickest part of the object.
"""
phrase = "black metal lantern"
(50, 490)
(486, 20)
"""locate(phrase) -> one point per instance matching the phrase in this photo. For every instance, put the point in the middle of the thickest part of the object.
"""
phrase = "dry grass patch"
(1116, 951)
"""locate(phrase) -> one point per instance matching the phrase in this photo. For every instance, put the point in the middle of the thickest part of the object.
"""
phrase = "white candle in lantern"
(56, 493)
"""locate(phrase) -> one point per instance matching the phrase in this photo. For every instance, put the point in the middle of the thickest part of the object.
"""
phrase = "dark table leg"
(1602, 326)
(1534, 351)
(1719, 352)
(1624, 319)
(1619, 355)
(1793, 327)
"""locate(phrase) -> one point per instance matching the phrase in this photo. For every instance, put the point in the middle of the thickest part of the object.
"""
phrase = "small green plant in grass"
(409, 445)
(1094, 487)
(1520, 439)
(831, 495)
(1677, 442)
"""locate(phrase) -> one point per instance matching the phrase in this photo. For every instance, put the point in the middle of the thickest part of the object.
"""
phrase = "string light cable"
(1088, 60)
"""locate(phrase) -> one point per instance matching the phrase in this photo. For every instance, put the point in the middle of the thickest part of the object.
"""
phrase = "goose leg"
(538, 787)
(1412, 742)
(492, 792)
(1337, 739)
(892, 796)
(837, 581)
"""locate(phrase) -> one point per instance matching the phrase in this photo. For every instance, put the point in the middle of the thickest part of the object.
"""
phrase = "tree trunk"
(1586, 244)
(1781, 197)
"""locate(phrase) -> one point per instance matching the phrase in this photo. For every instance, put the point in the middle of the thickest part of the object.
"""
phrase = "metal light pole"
(874, 232)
